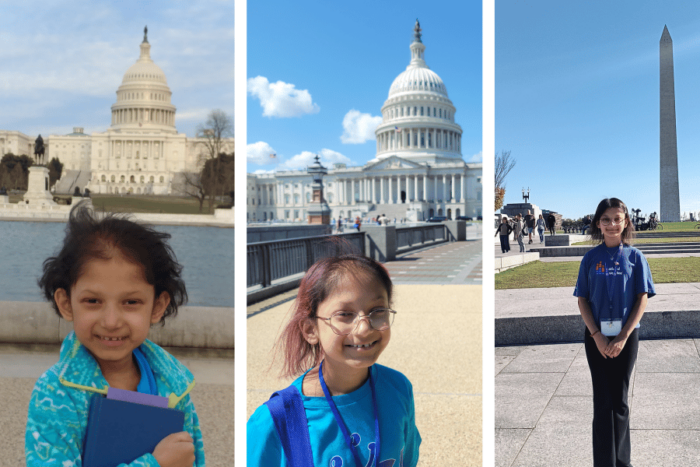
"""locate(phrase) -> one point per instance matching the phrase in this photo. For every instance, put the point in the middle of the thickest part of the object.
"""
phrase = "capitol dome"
(143, 99)
(418, 116)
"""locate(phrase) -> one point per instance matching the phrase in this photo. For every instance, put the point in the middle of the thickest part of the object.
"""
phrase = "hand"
(176, 450)
(601, 342)
(616, 345)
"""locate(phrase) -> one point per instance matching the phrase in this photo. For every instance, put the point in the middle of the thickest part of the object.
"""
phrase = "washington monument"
(670, 203)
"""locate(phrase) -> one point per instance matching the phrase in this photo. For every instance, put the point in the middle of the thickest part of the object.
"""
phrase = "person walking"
(504, 229)
(530, 224)
(551, 223)
(540, 228)
(340, 225)
(358, 223)
(518, 232)
(613, 286)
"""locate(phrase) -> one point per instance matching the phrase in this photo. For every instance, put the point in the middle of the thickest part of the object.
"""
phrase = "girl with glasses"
(614, 283)
(344, 409)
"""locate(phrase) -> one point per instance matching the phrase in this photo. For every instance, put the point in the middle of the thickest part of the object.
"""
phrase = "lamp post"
(319, 212)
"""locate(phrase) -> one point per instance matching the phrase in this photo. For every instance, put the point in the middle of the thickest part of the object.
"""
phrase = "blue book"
(121, 432)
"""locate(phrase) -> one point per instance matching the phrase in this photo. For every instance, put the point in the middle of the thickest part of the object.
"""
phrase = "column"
(410, 138)
(453, 188)
(444, 188)
(381, 190)
(463, 197)
(415, 187)
(352, 191)
(435, 188)
(392, 200)
(425, 187)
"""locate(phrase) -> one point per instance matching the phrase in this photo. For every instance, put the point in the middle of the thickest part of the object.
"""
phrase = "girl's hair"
(597, 234)
(317, 285)
(88, 237)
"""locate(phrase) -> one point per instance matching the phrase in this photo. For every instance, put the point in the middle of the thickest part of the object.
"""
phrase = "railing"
(270, 261)
(412, 237)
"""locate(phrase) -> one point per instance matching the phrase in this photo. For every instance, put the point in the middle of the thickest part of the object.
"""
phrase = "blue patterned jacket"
(58, 409)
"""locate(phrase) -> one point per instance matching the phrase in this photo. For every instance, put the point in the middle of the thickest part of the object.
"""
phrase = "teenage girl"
(112, 279)
(354, 411)
(614, 283)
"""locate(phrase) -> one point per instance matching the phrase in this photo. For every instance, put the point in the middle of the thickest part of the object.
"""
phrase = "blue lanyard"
(612, 287)
(343, 428)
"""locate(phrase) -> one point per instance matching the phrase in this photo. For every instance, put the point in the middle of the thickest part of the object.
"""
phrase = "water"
(206, 254)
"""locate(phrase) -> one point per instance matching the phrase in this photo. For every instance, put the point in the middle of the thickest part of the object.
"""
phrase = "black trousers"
(505, 243)
(611, 414)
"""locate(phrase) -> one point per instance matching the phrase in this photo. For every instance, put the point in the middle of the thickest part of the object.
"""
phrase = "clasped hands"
(610, 348)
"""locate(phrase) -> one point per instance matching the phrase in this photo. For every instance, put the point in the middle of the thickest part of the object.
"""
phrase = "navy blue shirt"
(630, 278)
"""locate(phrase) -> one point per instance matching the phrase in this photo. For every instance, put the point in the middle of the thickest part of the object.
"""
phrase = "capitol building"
(418, 171)
(140, 153)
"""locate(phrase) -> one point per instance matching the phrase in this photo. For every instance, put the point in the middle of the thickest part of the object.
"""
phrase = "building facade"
(418, 171)
(141, 152)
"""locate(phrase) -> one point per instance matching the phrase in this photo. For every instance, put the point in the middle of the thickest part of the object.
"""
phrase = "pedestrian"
(518, 232)
(113, 279)
(352, 411)
(358, 223)
(613, 286)
(504, 229)
(551, 223)
(530, 224)
(540, 228)
(339, 229)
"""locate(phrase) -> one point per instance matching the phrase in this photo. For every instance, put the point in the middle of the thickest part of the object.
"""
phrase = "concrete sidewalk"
(544, 407)
(446, 263)
(551, 315)
(21, 365)
(435, 342)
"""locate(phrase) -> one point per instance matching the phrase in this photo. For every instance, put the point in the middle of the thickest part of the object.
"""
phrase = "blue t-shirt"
(598, 268)
(399, 436)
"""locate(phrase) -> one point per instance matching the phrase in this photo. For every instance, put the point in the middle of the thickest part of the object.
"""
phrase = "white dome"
(144, 98)
(417, 78)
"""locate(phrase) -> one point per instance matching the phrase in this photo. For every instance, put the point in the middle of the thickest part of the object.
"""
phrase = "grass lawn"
(540, 275)
(159, 204)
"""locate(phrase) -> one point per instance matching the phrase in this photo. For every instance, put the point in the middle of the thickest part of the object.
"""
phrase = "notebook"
(120, 432)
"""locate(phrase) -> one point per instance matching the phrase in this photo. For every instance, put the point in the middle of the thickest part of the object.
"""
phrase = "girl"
(504, 229)
(614, 283)
(112, 279)
(352, 411)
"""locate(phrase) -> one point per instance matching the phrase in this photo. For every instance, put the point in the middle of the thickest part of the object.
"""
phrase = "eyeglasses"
(346, 322)
(606, 221)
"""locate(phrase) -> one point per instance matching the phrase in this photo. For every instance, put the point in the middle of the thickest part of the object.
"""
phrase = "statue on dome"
(39, 151)
(145, 34)
(417, 31)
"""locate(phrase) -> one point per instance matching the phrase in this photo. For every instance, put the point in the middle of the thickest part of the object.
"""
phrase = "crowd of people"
(345, 223)
(521, 227)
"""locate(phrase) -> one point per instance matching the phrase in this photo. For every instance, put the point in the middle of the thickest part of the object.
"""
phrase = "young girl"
(112, 279)
(354, 412)
(614, 283)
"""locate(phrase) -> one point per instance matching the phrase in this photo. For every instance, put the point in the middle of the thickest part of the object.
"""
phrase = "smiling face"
(112, 308)
(354, 353)
(617, 223)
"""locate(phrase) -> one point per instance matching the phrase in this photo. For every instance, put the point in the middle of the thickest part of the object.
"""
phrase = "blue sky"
(314, 65)
(62, 61)
(577, 101)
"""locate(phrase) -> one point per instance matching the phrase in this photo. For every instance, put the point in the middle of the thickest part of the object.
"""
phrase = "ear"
(60, 296)
(309, 330)
(159, 306)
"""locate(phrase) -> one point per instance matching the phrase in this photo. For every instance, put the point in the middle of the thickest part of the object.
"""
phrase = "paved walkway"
(441, 357)
(446, 263)
(544, 409)
(21, 365)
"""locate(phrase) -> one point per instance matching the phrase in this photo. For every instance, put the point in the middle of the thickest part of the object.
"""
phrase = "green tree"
(55, 170)
(14, 171)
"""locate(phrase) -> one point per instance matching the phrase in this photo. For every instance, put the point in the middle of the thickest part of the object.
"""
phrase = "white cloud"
(281, 99)
(358, 127)
(259, 153)
(306, 158)
(476, 158)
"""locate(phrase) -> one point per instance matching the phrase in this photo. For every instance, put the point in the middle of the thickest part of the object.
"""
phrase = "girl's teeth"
(112, 338)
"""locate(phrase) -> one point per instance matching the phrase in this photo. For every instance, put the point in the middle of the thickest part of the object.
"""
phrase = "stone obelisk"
(670, 201)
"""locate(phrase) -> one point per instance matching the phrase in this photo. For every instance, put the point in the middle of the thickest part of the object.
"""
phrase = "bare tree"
(213, 138)
(192, 186)
(502, 166)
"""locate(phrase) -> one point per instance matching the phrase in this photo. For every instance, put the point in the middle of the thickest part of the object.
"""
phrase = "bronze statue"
(39, 151)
